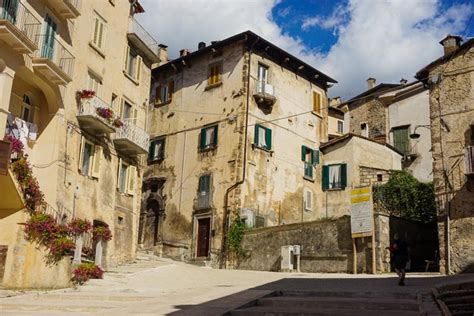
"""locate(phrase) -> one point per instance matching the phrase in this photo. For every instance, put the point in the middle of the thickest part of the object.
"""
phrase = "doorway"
(203, 237)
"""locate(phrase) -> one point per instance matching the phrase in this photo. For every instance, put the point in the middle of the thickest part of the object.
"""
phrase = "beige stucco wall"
(414, 111)
(359, 155)
(332, 126)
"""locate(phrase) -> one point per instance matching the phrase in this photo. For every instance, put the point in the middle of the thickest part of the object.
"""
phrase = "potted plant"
(86, 271)
(86, 94)
(101, 233)
(117, 123)
(105, 113)
(79, 226)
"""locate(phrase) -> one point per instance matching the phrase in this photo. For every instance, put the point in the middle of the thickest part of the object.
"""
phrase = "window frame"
(340, 127)
(98, 40)
(204, 200)
(343, 177)
(268, 138)
(151, 153)
(317, 106)
(203, 145)
(162, 98)
(305, 199)
(94, 82)
(214, 79)
(95, 158)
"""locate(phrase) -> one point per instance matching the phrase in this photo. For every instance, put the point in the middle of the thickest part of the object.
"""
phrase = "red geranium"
(86, 271)
(17, 145)
(102, 233)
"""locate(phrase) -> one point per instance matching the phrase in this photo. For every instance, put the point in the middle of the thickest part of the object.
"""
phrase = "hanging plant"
(79, 226)
(102, 233)
(60, 247)
(17, 145)
(28, 183)
(86, 94)
(105, 113)
(117, 123)
(43, 229)
(86, 271)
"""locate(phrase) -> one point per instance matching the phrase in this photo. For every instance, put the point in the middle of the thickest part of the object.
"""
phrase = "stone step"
(394, 296)
(317, 303)
(458, 300)
(301, 311)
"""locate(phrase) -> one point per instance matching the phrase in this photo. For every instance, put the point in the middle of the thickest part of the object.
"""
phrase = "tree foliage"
(406, 197)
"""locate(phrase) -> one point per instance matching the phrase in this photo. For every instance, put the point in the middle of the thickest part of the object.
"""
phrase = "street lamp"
(415, 135)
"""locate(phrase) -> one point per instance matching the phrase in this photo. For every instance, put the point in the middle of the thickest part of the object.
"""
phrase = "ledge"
(212, 86)
(263, 149)
(130, 77)
(97, 49)
(158, 104)
(317, 114)
(308, 179)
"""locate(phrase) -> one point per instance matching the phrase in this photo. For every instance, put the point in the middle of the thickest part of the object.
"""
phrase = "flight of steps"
(456, 299)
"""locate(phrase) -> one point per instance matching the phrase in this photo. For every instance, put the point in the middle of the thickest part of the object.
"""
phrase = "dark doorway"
(204, 232)
(151, 232)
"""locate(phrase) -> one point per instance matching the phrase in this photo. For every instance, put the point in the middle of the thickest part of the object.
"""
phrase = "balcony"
(203, 201)
(66, 9)
(18, 27)
(131, 139)
(264, 94)
(469, 161)
(90, 116)
(143, 41)
(53, 60)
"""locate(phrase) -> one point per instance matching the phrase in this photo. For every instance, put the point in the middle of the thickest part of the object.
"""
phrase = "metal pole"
(354, 256)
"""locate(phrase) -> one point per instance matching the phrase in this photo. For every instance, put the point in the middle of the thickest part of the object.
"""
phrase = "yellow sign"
(360, 199)
(361, 212)
(360, 191)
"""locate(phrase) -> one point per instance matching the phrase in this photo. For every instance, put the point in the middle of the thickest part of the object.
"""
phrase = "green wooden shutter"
(202, 139)
(151, 152)
(343, 176)
(204, 183)
(315, 157)
(303, 153)
(268, 138)
(215, 134)
(325, 178)
(255, 137)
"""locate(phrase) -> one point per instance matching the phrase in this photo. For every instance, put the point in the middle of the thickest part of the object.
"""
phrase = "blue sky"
(349, 40)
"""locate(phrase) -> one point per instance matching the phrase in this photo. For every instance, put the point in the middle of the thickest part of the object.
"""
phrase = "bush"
(235, 236)
(86, 271)
(28, 184)
(101, 233)
(60, 247)
(79, 226)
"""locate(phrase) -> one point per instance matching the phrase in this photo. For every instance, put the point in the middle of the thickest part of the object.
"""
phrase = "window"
(308, 200)
(316, 102)
(379, 177)
(263, 137)
(262, 78)
(208, 138)
(26, 110)
(401, 140)
(94, 83)
(133, 64)
(90, 158)
(214, 76)
(164, 93)
(259, 221)
(340, 127)
(310, 158)
(157, 150)
(364, 129)
(127, 112)
(98, 37)
(113, 102)
(471, 138)
(126, 178)
(204, 191)
(334, 177)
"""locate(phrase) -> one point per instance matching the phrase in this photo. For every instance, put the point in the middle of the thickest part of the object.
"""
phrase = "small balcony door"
(203, 236)
(262, 77)
(49, 37)
(10, 9)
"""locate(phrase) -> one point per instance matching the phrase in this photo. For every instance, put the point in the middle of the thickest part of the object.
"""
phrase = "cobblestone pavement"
(161, 287)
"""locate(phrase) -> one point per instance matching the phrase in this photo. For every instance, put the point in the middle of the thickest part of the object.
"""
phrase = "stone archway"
(152, 220)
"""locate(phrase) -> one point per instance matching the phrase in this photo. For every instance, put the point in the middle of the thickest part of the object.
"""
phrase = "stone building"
(87, 163)
(236, 128)
(450, 79)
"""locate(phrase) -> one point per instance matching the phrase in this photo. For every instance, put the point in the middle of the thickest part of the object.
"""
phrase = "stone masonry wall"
(373, 113)
(370, 176)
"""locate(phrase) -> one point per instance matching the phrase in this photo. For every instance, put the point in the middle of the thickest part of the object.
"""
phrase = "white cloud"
(387, 39)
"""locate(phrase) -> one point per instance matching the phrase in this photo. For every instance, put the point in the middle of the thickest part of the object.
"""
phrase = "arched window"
(26, 109)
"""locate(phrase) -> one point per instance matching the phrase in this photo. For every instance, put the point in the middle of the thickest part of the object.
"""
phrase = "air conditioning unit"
(290, 258)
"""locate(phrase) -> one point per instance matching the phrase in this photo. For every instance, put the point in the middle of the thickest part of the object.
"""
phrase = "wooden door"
(204, 231)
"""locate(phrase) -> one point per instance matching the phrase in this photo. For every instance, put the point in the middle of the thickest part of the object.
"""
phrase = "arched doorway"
(152, 221)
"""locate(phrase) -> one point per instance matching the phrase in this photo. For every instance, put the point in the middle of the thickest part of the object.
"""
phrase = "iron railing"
(133, 133)
(89, 106)
(19, 15)
(61, 214)
(203, 200)
(135, 28)
(469, 160)
(54, 50)
(265, 88)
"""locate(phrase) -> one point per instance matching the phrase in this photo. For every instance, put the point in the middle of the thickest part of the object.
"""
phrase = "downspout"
(223, 260)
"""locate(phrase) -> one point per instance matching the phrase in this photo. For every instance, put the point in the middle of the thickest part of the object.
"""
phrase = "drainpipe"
(223, 261)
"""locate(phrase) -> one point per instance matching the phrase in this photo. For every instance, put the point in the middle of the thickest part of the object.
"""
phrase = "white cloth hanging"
(32, 131)
(334, 176)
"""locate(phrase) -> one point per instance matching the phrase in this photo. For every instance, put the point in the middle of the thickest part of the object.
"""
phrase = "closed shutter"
(255, 137)
(81, 154)
(268, 138)
(215, 134)
(131, 177)
(400, 139)
(151, 151)
(315, 157)
(118, 172)
(127, 56)
(309, 200)
(139, 62)
(202, 139)
(343, 176)
(170, 90)
(96, 161)
(316, 102)
(325, 181)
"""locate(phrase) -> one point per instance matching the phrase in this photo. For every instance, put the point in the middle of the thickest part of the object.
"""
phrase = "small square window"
(263, 137)
(208, 138)
(157, 150)
(379, 178)
(214, 76)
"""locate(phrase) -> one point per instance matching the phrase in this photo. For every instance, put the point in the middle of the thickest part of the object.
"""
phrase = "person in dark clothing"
(399, 250)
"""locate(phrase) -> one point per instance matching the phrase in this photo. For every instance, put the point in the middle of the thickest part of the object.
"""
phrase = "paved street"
(161, 287)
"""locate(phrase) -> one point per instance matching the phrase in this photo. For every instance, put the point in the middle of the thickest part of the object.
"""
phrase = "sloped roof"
(348, 136)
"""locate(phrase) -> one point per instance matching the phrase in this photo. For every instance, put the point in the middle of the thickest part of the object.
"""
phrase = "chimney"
(370, 83)
(403, 81)
(451, 43)
(201, 45)
(183, 52)
(163, 53)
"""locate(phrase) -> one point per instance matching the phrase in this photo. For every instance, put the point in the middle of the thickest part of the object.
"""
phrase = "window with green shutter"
(263, 137)
(208, 138)
(401, 140)
(157, 150)
(204, 192)
(308, 157)
(334, 177)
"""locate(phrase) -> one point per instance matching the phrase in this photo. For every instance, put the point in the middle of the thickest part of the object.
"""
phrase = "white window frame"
(308, 207)
(340, 123)
(94, 82)
(95, 159)
(99, 31)
(338, 184)
(128, 184)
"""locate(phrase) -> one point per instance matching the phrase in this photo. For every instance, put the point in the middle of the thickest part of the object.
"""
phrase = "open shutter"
(138, 68)
(151, 150)
(255, 137)
(131, 177)
(96, 162)
(81, 154)
(120, 107)
(315, 157)
(170, 90)
(135, 115)
(268, 138)
(118, 172)
(325, 178)
(202, 139)
(127, 53)
(216, 128)
(303, 153)
(343, 176)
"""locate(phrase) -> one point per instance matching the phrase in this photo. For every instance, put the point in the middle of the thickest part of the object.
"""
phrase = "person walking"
(399, 250)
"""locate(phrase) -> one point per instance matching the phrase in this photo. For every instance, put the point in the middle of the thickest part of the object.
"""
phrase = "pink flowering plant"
(28, 183)
(117, 123)
(86, 271)
(17, 145)
(60, 247)
(79, 226)
(105, 113)
(102, 233)
(86, 94)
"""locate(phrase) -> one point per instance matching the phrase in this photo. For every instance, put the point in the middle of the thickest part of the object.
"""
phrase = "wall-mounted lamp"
(415, 135)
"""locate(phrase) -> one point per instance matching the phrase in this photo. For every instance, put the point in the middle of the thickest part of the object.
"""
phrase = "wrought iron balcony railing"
(53, 50)
(96, 114)
(133, 134)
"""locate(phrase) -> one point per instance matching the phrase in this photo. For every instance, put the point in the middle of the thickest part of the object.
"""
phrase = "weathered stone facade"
(451, 82)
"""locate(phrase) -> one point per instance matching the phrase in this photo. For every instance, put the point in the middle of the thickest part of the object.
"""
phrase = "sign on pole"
(362, 215)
